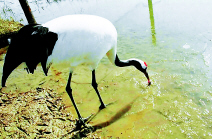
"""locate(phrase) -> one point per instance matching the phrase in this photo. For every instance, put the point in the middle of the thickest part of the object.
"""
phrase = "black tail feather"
(32, 45)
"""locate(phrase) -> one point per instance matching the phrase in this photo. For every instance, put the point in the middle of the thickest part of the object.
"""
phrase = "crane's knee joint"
(68, 89)
(94, 84)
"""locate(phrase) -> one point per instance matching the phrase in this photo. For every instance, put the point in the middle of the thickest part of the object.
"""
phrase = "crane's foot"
(82, 122)
(79, 124)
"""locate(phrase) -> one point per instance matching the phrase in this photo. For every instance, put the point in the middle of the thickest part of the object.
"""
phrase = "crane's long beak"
(147, 76)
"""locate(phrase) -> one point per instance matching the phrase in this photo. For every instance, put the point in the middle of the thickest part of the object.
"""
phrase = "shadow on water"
(152, 22)
(118, 115)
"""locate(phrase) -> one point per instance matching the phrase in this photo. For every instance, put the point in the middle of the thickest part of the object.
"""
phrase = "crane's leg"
(95, 85)
(69, 91)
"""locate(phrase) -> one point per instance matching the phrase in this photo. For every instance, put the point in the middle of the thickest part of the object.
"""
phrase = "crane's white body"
(82, 39)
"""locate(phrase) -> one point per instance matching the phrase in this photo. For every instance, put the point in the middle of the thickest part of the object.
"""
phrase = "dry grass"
(37, 114)
(7, 26)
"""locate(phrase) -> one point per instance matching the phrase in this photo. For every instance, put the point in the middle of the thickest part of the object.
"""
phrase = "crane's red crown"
(145, 64)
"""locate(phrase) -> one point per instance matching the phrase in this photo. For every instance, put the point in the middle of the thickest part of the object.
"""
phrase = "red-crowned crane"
(73, 39)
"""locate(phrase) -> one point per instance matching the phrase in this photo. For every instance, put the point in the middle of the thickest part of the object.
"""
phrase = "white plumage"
(82, 39)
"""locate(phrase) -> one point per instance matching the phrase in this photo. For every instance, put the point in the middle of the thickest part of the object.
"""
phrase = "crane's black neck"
(121, 63)
(129, 62)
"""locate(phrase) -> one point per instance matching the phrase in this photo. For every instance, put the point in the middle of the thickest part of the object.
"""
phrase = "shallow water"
(173, 37)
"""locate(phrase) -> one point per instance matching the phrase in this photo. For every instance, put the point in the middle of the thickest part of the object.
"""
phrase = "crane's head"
(141, 66)
(32, 45)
